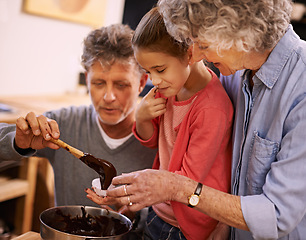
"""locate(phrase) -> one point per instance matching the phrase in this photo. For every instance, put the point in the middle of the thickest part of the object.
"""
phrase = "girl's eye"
(160, 71)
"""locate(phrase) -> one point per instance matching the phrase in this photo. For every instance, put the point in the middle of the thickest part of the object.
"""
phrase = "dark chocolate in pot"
(87, 225)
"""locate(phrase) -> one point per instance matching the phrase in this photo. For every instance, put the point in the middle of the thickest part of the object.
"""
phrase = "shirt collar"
(270, 71)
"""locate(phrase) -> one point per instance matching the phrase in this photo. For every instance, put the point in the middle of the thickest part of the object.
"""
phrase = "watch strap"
(198, 189)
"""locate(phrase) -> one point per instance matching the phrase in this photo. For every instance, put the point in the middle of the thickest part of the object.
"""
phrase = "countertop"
(21, 105)
(28, 236)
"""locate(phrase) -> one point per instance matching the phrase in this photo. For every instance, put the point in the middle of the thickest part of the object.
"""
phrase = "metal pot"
(55, 223)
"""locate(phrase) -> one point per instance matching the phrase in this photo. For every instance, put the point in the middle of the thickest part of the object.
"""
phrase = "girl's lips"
(162, 89)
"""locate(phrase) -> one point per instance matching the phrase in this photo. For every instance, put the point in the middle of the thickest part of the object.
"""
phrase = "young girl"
(188, 116)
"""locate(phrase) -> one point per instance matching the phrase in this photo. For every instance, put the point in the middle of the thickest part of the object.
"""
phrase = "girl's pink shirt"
(202, 152)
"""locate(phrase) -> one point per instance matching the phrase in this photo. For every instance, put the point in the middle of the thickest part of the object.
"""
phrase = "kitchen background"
(40, 56)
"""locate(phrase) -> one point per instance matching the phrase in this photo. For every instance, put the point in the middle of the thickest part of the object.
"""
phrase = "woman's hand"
(144, 188)
(35, 131)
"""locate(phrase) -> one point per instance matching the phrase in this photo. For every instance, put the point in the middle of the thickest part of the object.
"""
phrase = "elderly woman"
(262, 63)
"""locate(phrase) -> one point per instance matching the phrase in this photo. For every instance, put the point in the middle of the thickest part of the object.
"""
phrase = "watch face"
(194, 200)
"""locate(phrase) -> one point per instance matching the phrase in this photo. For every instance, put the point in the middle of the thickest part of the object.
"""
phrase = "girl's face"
(228, 62)
(166, 72)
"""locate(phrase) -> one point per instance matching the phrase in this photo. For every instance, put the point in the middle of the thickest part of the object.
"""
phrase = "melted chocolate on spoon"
(105, 169)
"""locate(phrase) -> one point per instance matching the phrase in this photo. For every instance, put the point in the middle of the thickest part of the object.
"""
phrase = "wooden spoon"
(105, 169)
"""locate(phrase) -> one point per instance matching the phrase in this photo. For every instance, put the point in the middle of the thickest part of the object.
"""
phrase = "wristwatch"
(194, 198)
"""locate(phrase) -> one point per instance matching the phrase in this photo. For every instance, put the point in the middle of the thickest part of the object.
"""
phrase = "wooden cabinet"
(21, 188)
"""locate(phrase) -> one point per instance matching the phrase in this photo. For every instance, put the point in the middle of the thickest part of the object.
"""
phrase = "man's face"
(114, 91)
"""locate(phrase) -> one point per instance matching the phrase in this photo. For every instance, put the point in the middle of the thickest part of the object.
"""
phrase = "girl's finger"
(151, 93)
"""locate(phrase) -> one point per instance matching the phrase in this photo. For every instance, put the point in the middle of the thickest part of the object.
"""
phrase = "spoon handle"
(72, 150)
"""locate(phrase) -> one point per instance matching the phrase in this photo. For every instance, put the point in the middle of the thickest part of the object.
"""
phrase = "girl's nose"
(155, 80)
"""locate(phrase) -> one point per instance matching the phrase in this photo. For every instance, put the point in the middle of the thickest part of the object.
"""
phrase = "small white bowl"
(96, 185)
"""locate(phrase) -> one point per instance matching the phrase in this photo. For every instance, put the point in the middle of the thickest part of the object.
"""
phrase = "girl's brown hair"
(151, 33)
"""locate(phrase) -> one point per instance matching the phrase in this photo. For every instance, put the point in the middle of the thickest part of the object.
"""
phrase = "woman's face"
(227, 61)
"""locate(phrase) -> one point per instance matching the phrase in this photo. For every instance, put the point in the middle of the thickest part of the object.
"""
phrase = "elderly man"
(103, 129)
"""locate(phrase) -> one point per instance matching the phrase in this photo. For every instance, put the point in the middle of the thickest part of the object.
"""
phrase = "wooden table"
(28, 236)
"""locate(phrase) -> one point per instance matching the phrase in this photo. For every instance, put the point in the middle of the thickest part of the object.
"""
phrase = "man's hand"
(35, 131)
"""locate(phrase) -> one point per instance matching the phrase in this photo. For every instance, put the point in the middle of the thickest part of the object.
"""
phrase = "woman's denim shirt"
(269, 141)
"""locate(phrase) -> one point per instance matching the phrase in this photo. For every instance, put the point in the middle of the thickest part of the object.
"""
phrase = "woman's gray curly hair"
(247, 25)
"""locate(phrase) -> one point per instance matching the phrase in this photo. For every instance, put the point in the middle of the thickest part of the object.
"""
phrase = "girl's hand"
(150, 107)
(98, 199)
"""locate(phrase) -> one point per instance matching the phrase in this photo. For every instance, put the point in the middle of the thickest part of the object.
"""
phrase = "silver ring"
(129, 200)
(124, 188)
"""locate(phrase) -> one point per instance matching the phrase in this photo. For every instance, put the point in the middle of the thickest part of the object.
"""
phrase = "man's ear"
(86, 79)
(143, 81)
(85, 73)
